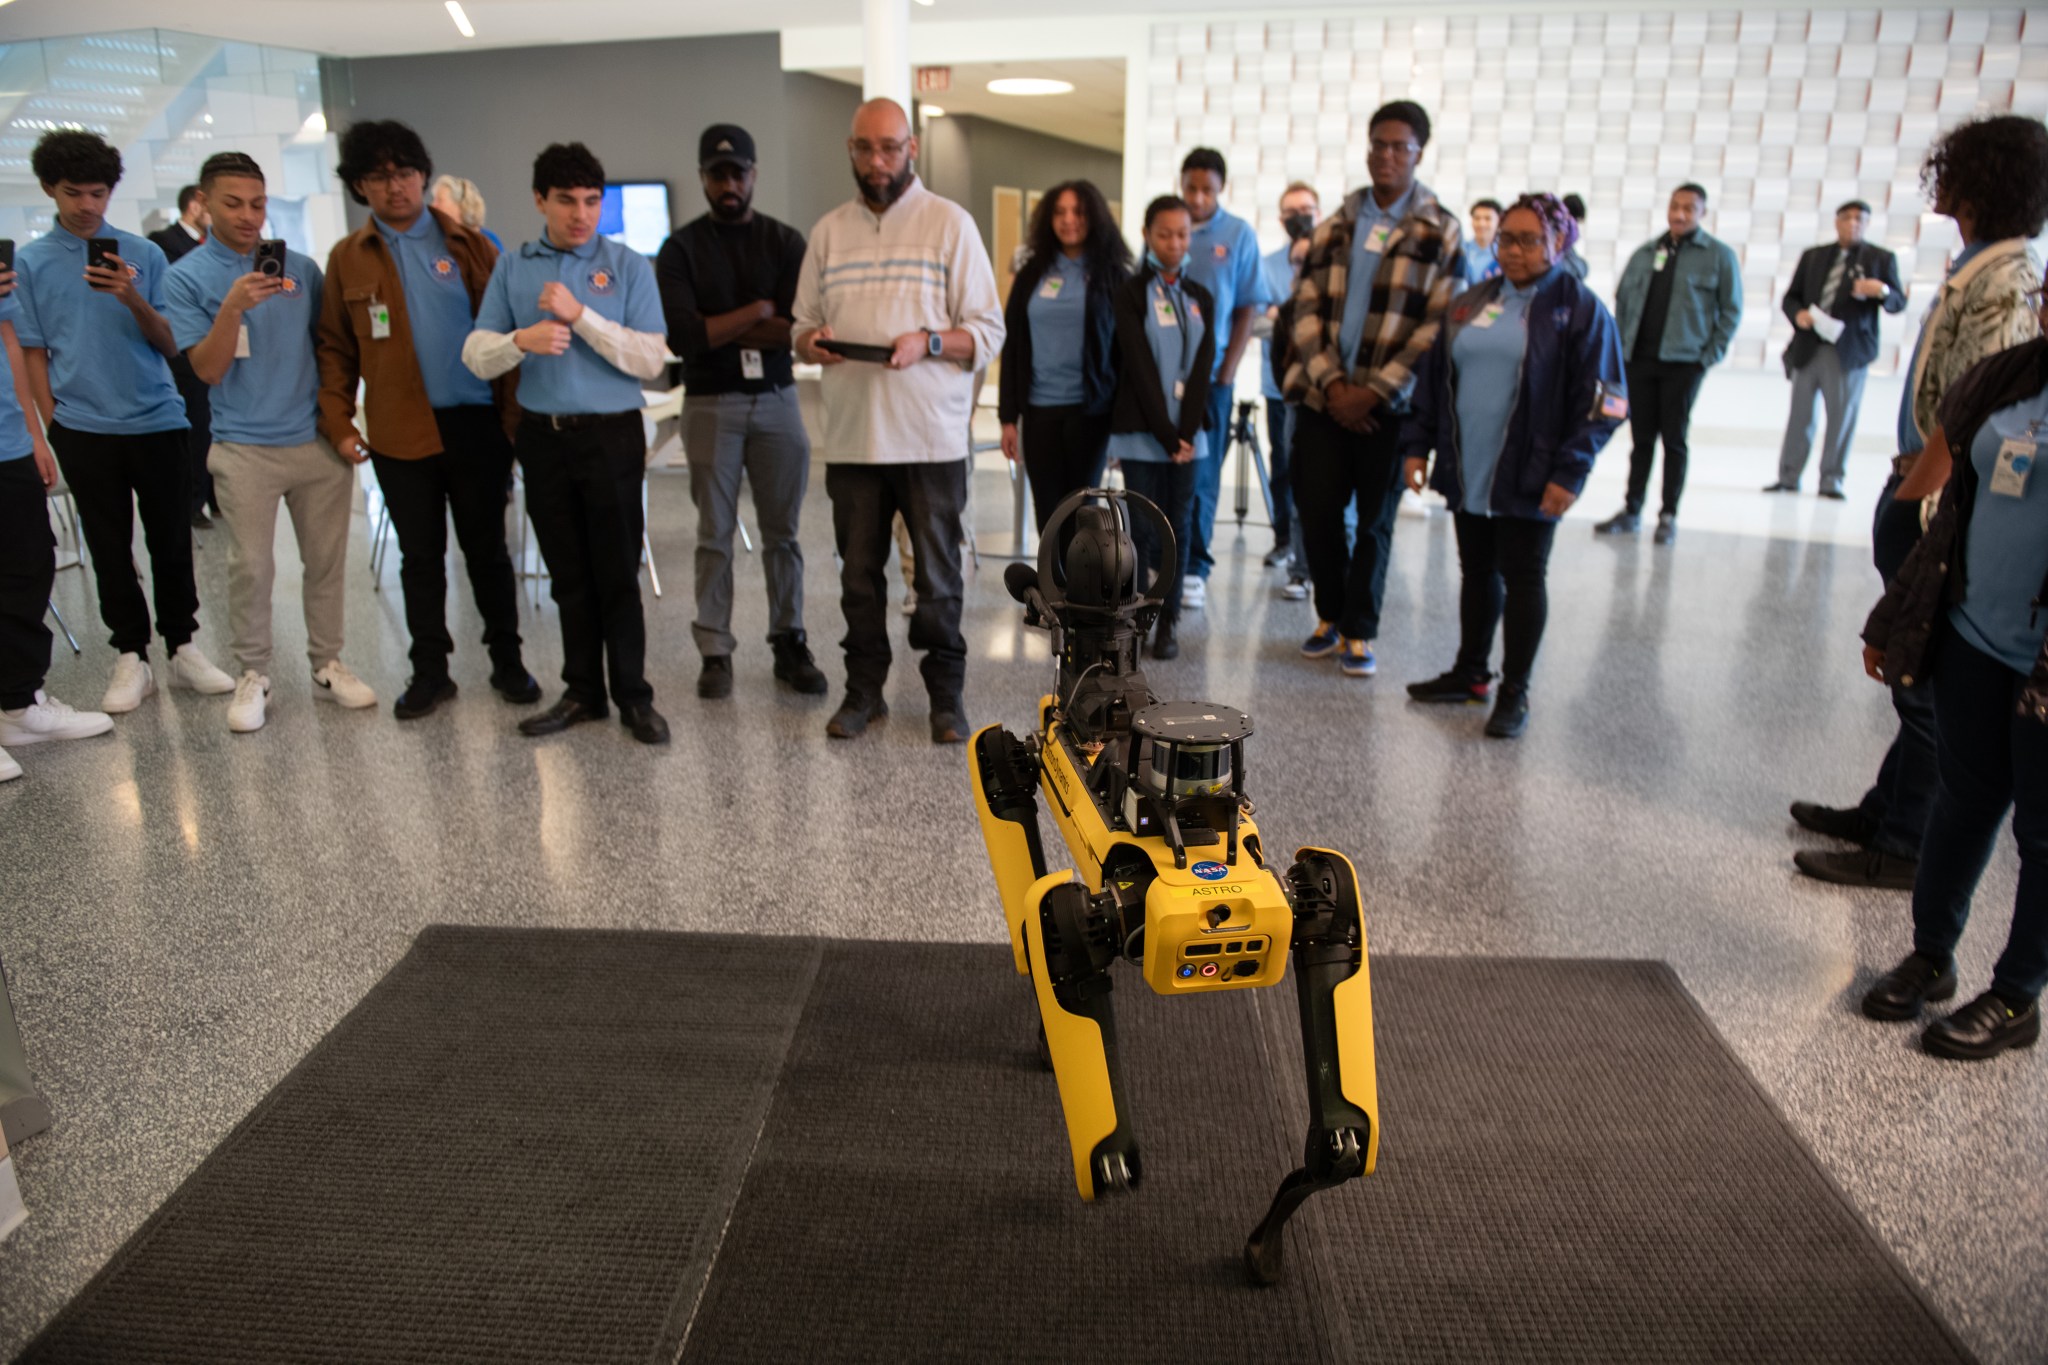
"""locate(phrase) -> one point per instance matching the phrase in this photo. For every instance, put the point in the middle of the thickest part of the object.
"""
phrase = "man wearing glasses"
(903, 271)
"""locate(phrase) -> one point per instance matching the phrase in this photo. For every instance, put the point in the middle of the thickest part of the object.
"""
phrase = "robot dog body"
(1149, 799)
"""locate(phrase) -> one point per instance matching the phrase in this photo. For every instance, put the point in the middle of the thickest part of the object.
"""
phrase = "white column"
(885, 50)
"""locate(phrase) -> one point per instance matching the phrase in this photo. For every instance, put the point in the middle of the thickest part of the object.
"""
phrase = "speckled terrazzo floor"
(184, 912)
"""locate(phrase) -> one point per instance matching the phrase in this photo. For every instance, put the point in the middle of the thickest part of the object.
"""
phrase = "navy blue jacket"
(1555, 429)
(1098, 345)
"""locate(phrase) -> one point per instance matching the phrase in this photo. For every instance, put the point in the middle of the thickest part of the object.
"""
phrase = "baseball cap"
(725, 142)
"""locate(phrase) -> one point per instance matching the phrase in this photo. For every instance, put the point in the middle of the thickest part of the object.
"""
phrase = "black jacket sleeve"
(687, 336)
(1140, 372)
(1795, 294)
(1015, 385)
(1888, 272)
(1194, 404)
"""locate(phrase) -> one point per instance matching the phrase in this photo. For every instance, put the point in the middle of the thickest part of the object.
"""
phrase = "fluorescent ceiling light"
(462, 24)
(921, 2)
(1025, 85)
(932, 111)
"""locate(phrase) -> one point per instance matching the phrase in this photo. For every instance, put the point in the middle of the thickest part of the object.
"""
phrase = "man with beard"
(902, 270)
(728, 284)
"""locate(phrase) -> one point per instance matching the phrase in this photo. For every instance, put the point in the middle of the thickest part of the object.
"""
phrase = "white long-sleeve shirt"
(871, 278)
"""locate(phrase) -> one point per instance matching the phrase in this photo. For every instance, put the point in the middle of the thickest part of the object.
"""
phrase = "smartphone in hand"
(6, 253)
(270, 258)
(101, 252)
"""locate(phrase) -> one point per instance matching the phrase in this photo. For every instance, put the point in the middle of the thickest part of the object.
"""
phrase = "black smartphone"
(270, 258)
(857, 350)
(99, 251)
(6, 253)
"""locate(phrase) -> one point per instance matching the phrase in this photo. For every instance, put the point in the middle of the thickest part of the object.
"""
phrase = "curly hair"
(1557, 220)
(74, 155)
(1104, 253)
(567, 166)
(1995, 167)
(374, 144)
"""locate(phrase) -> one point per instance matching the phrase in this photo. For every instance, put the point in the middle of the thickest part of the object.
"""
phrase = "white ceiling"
(1093, 114)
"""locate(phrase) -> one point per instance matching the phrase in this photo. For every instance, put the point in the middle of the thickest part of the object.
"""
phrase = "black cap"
(725, 142)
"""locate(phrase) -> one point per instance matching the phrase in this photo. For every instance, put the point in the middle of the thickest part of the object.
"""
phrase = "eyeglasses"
(393, 177)
(1520, 241)
(1379, 148)
(870, 151)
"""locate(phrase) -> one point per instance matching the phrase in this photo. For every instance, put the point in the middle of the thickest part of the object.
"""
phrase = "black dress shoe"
(1667, 530)
(1781, 488)
(421, 696)
(1863, 867)
(559, 717)
(645, 722)
(1453, 689)
(850, 721)
(1836, 822)
(1834, 495)
(1983, 1028)
(515, 684)
(1622, 523)
(1164, 643)
(715, 679)
(794, 664)
(1510, 713)
(949, 723)
(1900, 992)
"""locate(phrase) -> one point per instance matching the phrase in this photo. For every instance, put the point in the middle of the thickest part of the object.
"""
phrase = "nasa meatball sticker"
(443, 268)
(601, 281)
(288, 285)
(1210, 872)
(1222, 250)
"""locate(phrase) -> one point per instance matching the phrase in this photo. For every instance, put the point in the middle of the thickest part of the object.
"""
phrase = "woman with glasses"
(1519, 392)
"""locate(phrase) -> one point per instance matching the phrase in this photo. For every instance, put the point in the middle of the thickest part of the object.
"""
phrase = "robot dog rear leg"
(1070, 956)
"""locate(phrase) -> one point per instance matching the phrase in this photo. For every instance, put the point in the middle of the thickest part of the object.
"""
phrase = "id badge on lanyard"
(2015, 463)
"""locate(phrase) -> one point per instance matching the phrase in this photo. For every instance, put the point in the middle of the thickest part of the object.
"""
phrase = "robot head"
(1087, 564)
(1101, 562)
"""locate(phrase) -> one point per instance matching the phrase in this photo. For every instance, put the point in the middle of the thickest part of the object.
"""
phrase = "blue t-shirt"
(270, 396)
(1480, 264)
(1279, 274)
(437, 308)
(2005, 553)
(14, 438)
(104, 376)
(614, 280)
(1058, 314)
(1368, 243)
(1911, 442)
(1486, 370)
(1174, 327)
(1223, 257)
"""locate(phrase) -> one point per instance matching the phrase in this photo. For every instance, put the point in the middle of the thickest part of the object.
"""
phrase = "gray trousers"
(1841, 393)
(762, 436)
(318, 489)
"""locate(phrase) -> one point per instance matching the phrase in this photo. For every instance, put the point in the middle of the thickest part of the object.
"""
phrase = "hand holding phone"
(105, 271)
(6, 266)
(270, 259)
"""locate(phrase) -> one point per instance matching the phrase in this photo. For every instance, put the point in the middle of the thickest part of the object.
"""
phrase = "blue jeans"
(1992, 759)
(1209, 483)
(1171, 488)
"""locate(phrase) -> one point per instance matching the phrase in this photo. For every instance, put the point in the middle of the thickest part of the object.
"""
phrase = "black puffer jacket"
(1932, 578)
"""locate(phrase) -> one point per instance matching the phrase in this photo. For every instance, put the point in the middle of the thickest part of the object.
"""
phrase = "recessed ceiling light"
(932, 111)
(462, 24)
(1030, 85)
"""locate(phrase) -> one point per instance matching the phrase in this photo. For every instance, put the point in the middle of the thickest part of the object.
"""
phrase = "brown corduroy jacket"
(397, 415)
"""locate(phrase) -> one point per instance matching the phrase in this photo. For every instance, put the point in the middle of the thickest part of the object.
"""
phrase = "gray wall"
(965, 158)
(639, 106)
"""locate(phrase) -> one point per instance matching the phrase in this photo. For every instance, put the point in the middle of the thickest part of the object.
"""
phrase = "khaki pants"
(318, 489)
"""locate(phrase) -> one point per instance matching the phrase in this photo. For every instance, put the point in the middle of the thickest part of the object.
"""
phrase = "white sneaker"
(190, 668)
(1295, 591)
(1193, 592)
(252, 698)
(132, 681)
(336, 684)
(48, 718)
(9, 769)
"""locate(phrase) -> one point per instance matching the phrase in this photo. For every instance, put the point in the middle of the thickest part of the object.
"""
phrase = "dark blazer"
(1140, 392)
(174, 240)
(1098, 345)
(1858, 344)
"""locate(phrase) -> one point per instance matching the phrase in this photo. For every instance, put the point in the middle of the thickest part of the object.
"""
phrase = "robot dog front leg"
(1334, 988)
(1071, 947)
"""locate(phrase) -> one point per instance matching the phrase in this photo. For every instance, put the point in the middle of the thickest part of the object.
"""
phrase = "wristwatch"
(934, 344)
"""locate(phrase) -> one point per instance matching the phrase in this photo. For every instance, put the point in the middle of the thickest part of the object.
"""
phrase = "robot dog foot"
(1333, 1158)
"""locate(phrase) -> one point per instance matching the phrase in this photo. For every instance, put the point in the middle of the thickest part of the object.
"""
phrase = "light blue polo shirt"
(105, 377)
(1223, 257)
(1174, 327)
(1279, 273)
(1058, 314)
(14, 438)
(1486, 370)
(2005, 553)
(437, 309)
(1365, 264)
(604, 275)
(270, 396)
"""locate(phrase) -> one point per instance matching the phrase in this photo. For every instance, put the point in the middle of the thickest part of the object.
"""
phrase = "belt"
(1902, 465)
(575, 421)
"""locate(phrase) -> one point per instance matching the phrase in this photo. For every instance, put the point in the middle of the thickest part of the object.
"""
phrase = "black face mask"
(1298, 225)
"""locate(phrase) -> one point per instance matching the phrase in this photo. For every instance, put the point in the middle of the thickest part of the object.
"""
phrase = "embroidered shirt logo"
(601, 280)
(1221, 251)
(288, 285)
(443, 268)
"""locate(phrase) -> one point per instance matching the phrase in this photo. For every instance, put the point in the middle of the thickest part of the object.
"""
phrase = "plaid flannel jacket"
(1417, 278)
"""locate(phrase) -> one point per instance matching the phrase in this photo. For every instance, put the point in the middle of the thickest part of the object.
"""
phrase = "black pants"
(583, 494)
(1064, 451)
(1902, 798)
(1333, 468)
(1171, 488)
(471, 478)
(1280, 466)
(113, 478)
(866, 499)
(1504, 561)
(1660, 399)
(28, 568)
(199, 412)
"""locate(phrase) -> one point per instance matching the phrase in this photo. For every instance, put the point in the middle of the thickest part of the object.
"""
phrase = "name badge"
(751, 366)
(2015, 462)
(1376, 240)
(380, 322)
(242, 342)
(1052, 286)
(1180, 389)
(1489, 315)
(1163, 310)
(1657, 262)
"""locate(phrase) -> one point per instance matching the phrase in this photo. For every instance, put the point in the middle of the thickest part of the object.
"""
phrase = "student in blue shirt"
(28, 564)
(249, 336)
(1480, 262)
(96, 351)
(580, 316)
(1165, 343)
(1223, 258)
(1300, 205)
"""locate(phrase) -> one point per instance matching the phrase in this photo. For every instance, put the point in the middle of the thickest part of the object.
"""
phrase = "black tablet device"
(856, 350)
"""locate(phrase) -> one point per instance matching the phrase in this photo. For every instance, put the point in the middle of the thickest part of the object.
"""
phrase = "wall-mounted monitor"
(636, 213)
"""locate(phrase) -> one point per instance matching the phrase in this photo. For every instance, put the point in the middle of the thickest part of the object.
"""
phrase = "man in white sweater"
(901, 269)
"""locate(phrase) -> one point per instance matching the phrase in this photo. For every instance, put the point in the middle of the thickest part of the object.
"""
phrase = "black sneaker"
(1622, 523)
(1278, 555)
(850, 721)
(716, 678)
(949, 723)
(1164, 644)
(794, 665)
(516, 685)
(1453, 689)
(1836, 822)
(1667, 530)
(421, 696)
(1510, 713)
(1900, 992)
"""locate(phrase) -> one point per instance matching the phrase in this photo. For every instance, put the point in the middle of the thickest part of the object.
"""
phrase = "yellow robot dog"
(1149, 798)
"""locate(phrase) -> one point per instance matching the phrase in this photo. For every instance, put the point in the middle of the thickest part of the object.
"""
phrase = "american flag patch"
(1613, 405)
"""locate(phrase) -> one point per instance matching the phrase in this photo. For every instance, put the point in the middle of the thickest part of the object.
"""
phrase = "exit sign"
(934, 80)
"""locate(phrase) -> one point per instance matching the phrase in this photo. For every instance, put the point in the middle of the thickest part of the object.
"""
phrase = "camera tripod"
(1244, 431)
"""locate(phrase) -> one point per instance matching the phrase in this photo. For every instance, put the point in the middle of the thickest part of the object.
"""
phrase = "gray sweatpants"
(318, 489)
(762, 435)
(1841, 393)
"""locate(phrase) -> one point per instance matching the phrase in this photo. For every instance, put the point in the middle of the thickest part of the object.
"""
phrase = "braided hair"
(1556, 218)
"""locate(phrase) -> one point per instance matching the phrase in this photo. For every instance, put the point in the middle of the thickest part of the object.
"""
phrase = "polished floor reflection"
(185, 911)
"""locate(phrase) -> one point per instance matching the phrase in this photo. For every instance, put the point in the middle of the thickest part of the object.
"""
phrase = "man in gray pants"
(728, 280)
(1834, 301)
